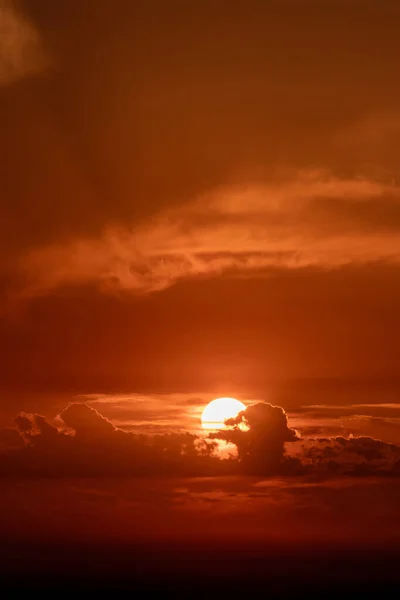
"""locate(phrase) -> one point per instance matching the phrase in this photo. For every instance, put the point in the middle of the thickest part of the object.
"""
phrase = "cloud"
(21, 49)
(296, 220)
(374, 420)
(352, 455)
(9, 440)
(88, 444)
(87, 422)
(259, 433)
(384, 428)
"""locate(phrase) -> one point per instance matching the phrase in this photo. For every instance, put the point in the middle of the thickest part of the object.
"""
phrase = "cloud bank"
(88, 444)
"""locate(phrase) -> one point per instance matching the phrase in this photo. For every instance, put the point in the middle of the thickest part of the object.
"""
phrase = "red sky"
(184, 190)
(199, 199)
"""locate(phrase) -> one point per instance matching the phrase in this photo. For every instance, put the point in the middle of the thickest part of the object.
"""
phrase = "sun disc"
(218, 410)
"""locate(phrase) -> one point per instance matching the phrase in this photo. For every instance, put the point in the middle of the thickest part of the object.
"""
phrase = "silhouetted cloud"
(87, 422)
(25, 423)
(10, 440)
(380, 421)
(89, 444)
(384, 428)
(259, 433)
(92, 445)
(352, 455)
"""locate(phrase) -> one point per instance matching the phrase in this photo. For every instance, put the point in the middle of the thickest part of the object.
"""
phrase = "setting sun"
(218, 410)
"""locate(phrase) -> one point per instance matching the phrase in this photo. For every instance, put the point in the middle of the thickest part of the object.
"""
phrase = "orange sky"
(183, 191)
(199, 199)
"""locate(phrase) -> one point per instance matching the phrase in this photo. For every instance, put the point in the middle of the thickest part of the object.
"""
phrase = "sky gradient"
(199, 200)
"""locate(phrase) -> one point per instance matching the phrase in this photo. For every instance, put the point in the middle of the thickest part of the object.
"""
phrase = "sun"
(218, 410)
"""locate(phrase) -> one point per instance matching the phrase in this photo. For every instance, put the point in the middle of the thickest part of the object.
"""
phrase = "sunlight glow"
(218, 410)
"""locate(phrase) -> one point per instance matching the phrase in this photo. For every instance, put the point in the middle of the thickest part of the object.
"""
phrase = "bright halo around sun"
(218, 410)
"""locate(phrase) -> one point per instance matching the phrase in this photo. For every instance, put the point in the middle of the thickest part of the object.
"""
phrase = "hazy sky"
(188, 188)
(198, 199)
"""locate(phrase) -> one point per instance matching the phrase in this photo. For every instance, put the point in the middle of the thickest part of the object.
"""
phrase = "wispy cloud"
(306, 219)
(21, 50)
(377, 420)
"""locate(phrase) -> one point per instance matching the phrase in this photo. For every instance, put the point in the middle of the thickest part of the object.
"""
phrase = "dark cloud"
(92, 445)
(384, 428)
(346, 411)
(88, 444)
(34, 425)
(24, 423)
(10, 440)
(259, 433)
(87, 422)
(380, 419)
(352, 455)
